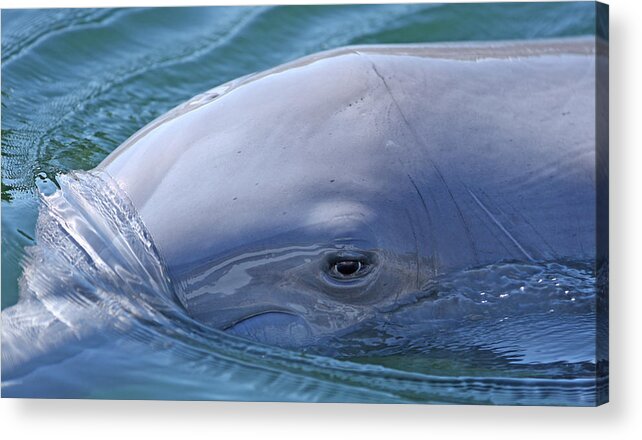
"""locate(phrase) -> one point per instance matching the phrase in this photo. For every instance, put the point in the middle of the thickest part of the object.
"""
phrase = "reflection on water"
(98, 317)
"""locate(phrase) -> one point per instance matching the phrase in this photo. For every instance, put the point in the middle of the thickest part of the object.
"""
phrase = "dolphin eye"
(348, 268)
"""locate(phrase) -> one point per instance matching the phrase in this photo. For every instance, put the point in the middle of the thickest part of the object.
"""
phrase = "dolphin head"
(297, 202)
(279, 202)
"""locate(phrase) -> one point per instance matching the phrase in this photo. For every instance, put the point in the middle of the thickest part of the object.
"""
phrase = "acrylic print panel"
(348, 203)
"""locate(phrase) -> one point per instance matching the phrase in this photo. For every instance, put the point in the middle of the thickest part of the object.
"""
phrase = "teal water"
(77, 82)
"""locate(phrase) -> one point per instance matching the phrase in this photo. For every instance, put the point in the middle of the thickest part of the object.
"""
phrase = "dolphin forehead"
(266, 157)
(270, 116)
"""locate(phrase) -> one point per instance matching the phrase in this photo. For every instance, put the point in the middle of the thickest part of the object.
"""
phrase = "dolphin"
(296, 202)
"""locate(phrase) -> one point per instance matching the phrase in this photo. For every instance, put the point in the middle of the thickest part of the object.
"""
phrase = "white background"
(618, 419)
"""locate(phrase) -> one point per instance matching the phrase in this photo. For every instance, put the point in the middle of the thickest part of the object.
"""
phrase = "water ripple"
(21, 35)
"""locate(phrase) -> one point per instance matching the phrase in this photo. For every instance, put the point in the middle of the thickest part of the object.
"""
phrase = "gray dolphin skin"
(294, 202)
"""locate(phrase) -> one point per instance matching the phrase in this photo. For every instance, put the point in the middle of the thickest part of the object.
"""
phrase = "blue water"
(78, 82)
